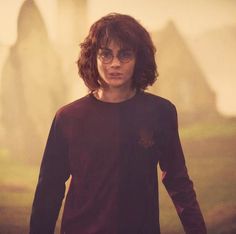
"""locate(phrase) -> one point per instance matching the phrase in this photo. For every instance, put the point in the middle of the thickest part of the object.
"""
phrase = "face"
(115, 66)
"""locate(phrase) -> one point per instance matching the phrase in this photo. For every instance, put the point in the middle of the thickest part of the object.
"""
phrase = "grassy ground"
(210, 156)
(210, 153)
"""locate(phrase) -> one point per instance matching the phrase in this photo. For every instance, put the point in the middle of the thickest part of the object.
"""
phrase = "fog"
(196, 47)
(40, 46)
(207, 26)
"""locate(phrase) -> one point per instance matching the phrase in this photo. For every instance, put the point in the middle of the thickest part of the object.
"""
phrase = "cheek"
(131, 68)
(101, 69)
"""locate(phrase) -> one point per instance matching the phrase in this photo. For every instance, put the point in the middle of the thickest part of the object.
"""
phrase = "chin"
(118, 84)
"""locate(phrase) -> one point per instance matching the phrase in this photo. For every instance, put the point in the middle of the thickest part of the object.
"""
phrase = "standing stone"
(32, 86)
(180, 77)
(72, 29)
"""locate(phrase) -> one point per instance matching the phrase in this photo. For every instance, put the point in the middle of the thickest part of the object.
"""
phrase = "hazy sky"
(191, 17)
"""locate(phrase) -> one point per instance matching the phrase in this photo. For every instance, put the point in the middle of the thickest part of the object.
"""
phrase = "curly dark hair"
(128, 32)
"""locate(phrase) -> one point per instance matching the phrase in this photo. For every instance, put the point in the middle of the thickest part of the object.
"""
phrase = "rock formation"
(72, 29)
(181, 79)
(32, 86)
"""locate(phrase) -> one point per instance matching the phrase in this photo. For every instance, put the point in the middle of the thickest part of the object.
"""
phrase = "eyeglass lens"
(124, 55)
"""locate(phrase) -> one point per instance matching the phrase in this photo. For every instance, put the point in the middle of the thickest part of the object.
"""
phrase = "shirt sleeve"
(50, 189)
(176, 180)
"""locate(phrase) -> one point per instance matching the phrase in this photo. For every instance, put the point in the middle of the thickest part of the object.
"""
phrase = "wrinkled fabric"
(111, 152)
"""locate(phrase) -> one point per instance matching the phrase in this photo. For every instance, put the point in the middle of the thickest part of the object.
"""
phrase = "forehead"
(115, 43)
(114, 46)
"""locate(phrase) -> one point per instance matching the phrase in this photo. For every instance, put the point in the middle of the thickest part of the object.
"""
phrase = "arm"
(176, 180)
(51, 184)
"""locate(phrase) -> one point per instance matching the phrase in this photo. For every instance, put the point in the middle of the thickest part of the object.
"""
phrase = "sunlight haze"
(193, 20)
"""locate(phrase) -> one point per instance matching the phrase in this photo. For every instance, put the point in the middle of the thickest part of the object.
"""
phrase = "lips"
(115, 75)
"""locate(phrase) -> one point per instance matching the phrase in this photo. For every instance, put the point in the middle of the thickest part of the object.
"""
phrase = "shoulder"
(74, 108)
(159, 103)
(164, 110)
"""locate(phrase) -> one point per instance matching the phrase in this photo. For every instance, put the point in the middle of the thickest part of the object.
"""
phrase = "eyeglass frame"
(118, 56)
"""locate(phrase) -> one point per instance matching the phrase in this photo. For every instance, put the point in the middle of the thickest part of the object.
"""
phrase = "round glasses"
(124, 55)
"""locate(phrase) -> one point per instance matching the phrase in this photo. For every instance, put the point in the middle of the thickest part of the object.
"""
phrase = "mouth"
(115, 74)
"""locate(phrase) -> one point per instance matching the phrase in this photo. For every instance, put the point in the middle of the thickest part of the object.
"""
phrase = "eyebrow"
(105, 48)
(122, 49)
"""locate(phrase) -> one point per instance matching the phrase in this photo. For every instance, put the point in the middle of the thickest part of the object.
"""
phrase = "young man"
(111, 141)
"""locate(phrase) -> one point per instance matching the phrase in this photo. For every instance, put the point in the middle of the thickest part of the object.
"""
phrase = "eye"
(105, 54)
(126, 55)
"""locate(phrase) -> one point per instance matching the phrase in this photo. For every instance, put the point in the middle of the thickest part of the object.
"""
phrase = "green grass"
(210, 156)
(17, 183)
(202, 130)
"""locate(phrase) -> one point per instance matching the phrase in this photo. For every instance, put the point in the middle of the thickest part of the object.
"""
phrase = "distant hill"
(32, 86)
(3, 54)
(216, 51)
(181, 78)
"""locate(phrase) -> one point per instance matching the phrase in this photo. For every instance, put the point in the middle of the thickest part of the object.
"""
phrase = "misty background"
(196, 49)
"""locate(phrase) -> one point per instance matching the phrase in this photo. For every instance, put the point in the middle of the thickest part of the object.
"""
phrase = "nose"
(115, 62)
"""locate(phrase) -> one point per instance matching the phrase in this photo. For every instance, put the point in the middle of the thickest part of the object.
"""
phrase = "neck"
(114, 95)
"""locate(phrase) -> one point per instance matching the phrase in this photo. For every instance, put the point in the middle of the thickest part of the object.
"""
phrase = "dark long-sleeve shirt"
(111, 151)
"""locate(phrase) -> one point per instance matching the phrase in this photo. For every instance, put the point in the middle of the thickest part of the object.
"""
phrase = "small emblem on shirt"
(146, 138)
